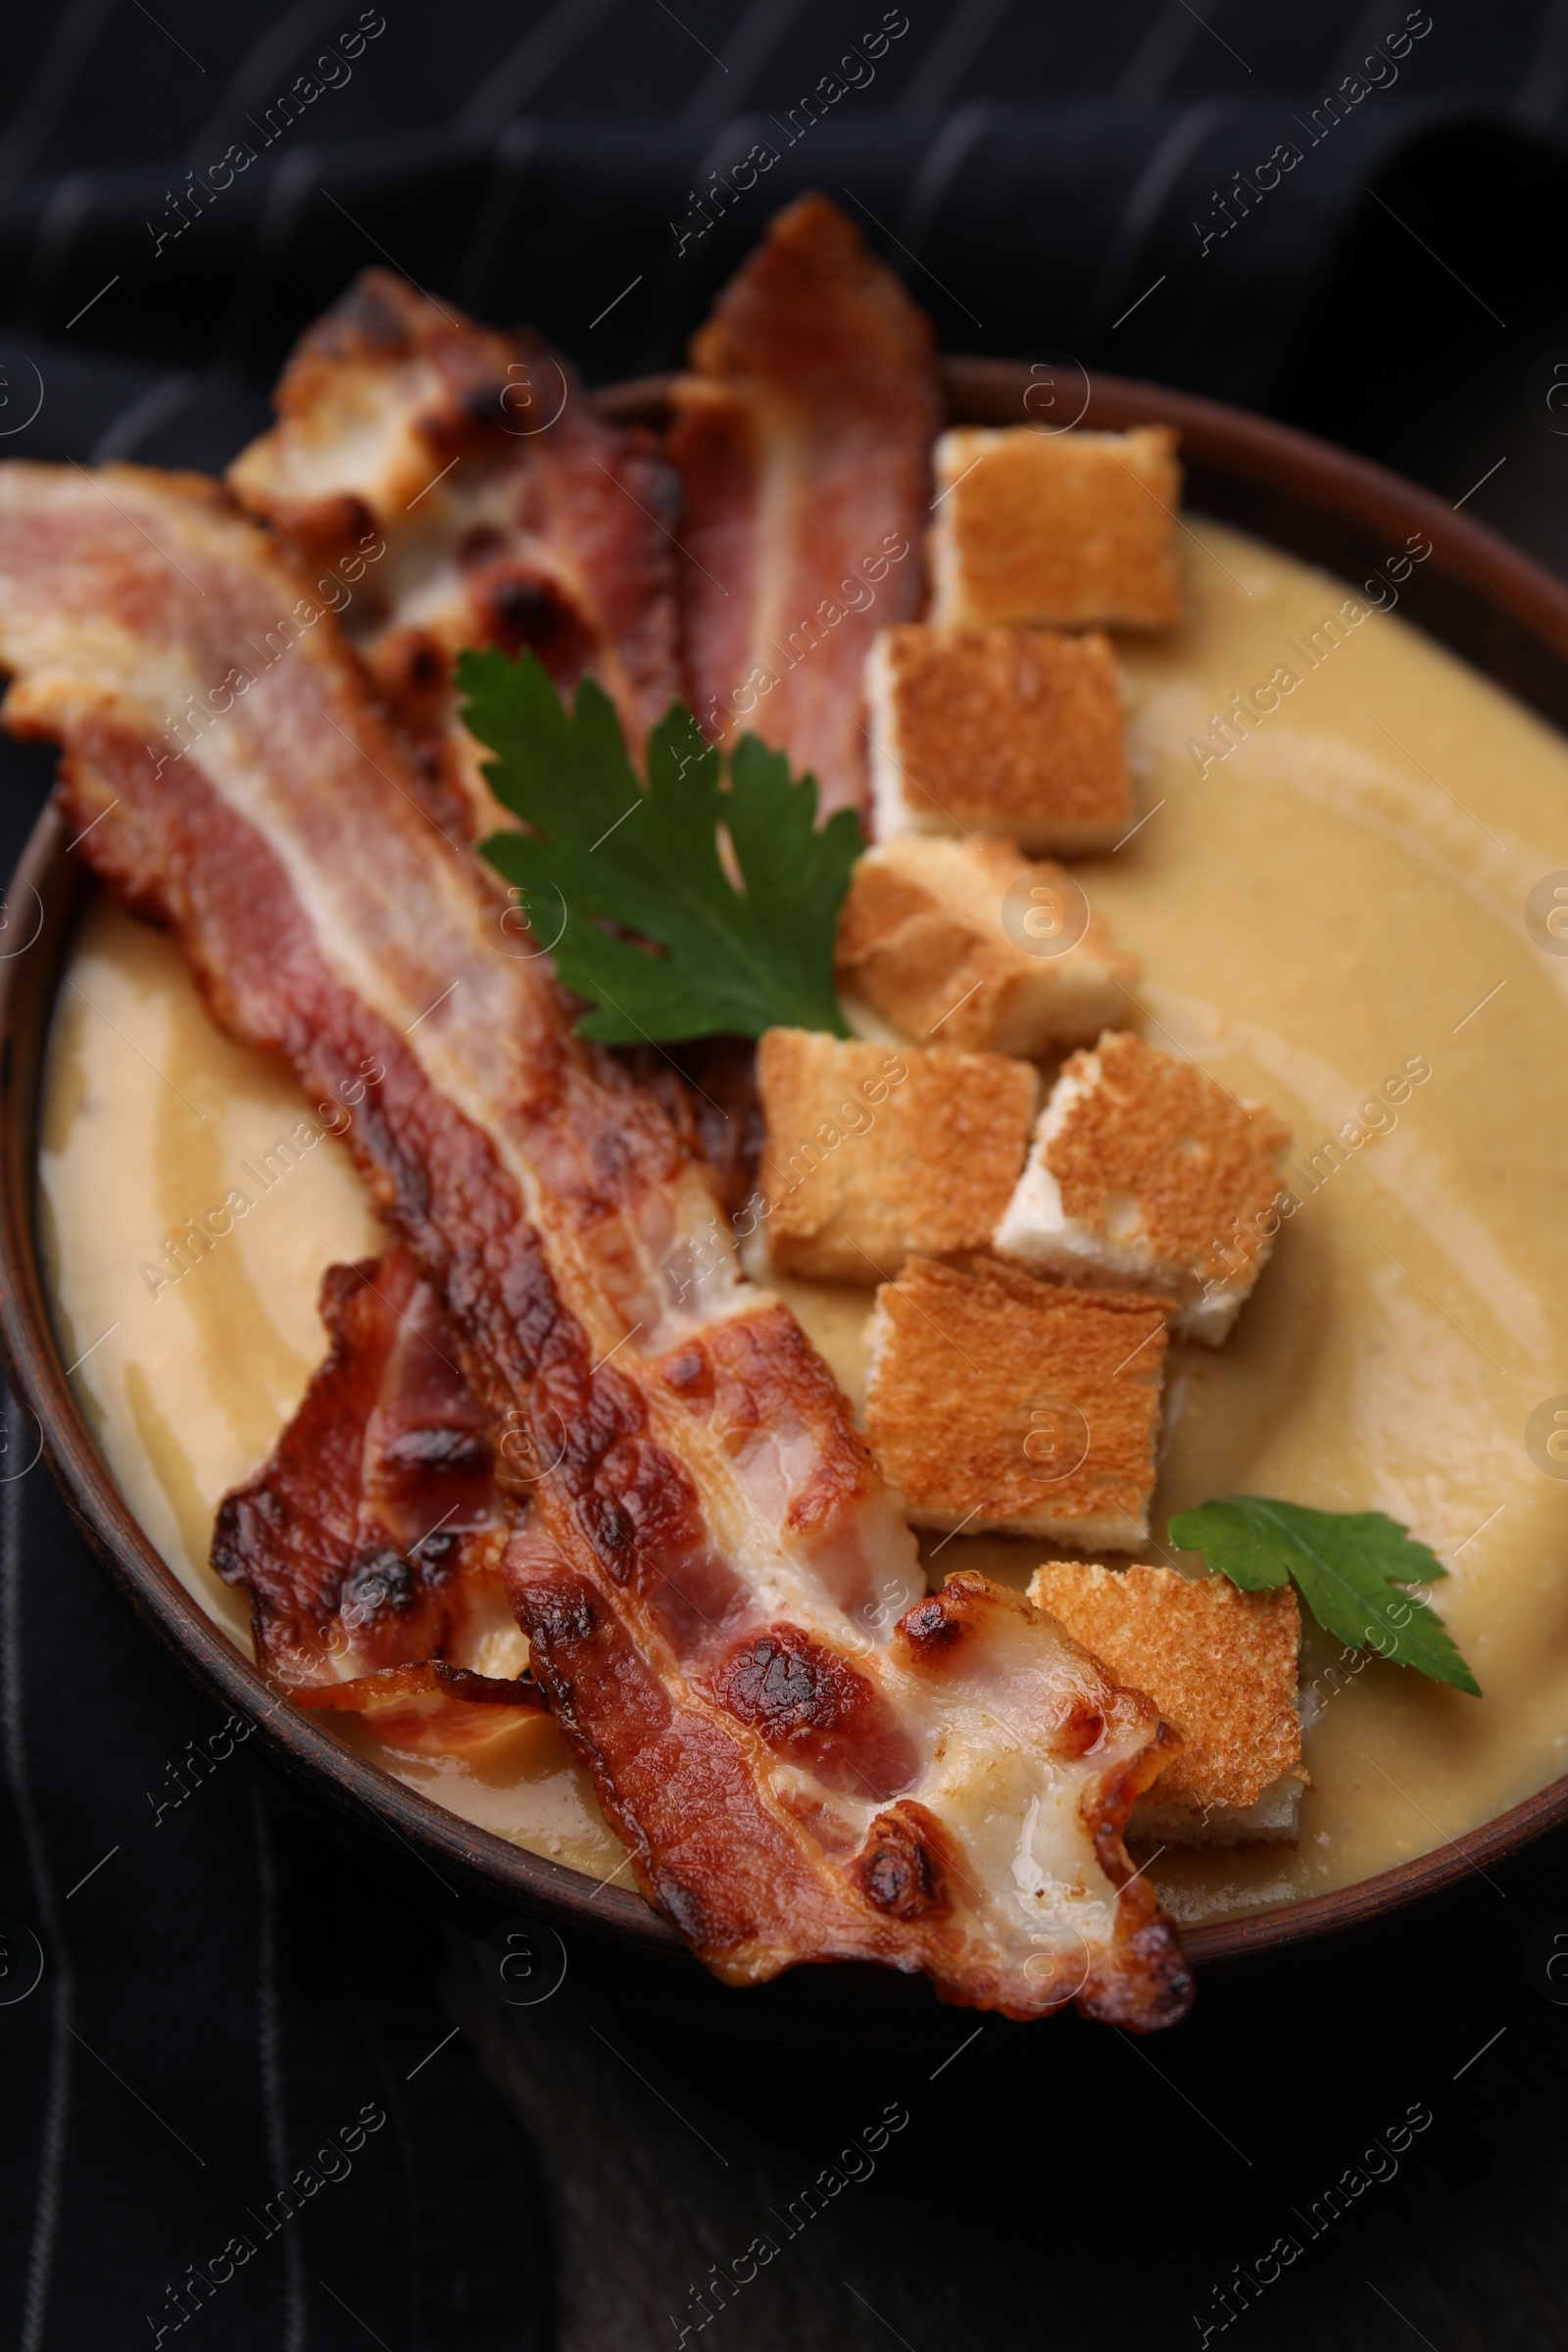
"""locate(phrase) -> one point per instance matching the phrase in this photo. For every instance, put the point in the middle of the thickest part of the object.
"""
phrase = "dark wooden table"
(1069, 2187)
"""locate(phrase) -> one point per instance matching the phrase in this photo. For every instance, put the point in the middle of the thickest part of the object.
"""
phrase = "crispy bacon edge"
(369, 1542)
(512, 513)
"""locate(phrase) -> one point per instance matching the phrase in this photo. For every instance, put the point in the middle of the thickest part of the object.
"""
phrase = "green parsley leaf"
(601, 848)
(1346, 1565)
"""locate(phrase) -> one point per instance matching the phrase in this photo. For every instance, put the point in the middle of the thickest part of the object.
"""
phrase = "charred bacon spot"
(410, 667)
(328, 528)
(776, 1685)
(516, 605)
(356, 520)
(244, 1523)
(818, 1709)
(376, 1580)
(543, 1333)
(527, 611)
(927, 1628)
(483, 401)
(1150, 1988)
(435, 1554)
(479, 546)
(556, 1613)
(634, 1502)
(898, 1870)
(423, 663)
(685, 1371)
(610, 1529)
(468, 414)
(437, 1449)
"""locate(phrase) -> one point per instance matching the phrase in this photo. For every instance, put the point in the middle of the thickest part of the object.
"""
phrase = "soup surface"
(1332, 919)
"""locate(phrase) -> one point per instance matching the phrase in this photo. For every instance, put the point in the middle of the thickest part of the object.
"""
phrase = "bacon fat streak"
(807, 1758)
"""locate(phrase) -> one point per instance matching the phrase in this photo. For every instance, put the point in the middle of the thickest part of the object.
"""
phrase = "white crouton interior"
(890, 812)
(1037, 1233)
(1272, 1819)
(942, 540)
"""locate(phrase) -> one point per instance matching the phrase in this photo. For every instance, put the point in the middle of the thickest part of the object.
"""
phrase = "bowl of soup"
(1343, 893)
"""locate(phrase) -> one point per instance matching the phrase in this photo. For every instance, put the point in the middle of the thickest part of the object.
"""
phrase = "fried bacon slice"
(802, 436)
(371, 1541)
(809, 1759)
(434, 1709)
(510, 513)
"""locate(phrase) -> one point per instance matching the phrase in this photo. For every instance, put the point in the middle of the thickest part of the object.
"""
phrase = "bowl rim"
(1468, 561)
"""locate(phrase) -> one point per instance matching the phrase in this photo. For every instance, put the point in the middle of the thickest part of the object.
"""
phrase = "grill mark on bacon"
(802, 436)
(546, 1202)
(819, 1711)
(901, 1866)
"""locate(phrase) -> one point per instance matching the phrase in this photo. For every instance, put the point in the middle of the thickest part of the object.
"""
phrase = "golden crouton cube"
(1056, 528)
(1221, 1667)
(1011, 731)
(1143, 1170)
(871, 1151)
(972, 942)
(998, 1402)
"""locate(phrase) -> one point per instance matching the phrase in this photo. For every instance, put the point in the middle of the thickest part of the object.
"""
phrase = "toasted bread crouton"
(869, 1152)
(1143, 1170)
(998, 1402)
(1058, 530)
(1012, 731)
(1221, 1667)
(973, 944)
